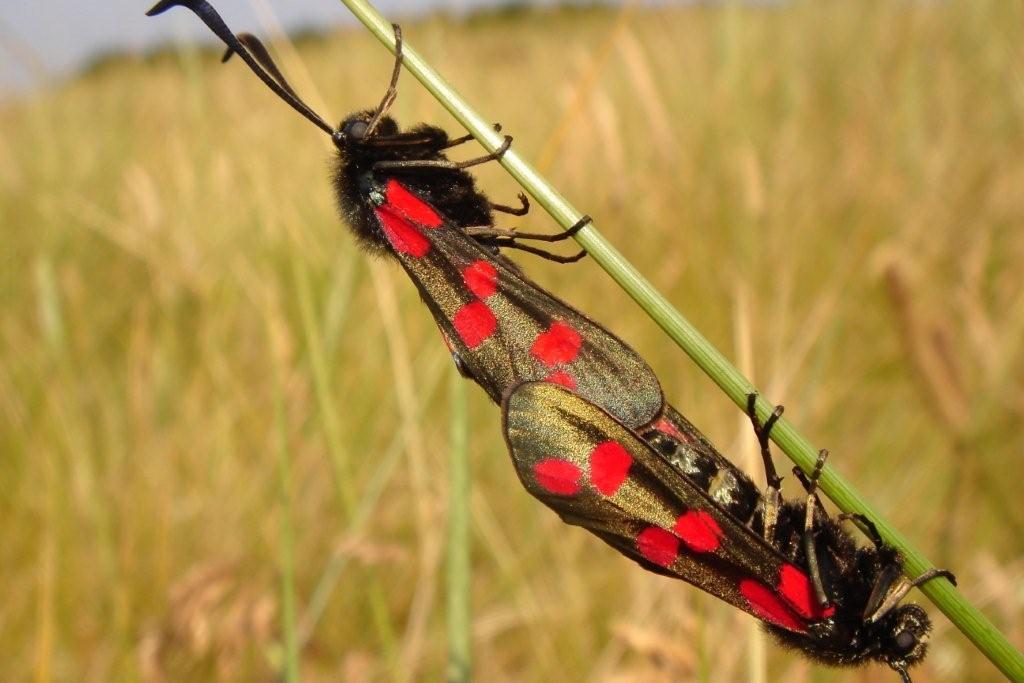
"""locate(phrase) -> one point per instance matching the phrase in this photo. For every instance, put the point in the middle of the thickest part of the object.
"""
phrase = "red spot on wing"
(475, 323)
(559, 344)
(766, 605)
(699, 531)
(658, 546)
(402, 235)
(481, 278)
(666, 427)
(796, 588)
(410, 206)
(609, 466)
(558, 476)
(561, 377)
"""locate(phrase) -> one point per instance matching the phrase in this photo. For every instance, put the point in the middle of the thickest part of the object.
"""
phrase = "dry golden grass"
(830, 191)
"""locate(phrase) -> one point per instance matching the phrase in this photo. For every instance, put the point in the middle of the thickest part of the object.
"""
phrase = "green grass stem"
(290, 668)
(458, 575)
(340, 460)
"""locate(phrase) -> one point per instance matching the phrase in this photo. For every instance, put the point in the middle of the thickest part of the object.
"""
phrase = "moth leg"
(499, 238)
(491, 231)
(868, 526)
(510, 243)
(416, 144)
(429, 143)
(806, 483)
(809, 549)
(934, 573)
(773, 491)
(892, 587)
(521, 211)
(466, 138)
(392, 92)
(444, 163)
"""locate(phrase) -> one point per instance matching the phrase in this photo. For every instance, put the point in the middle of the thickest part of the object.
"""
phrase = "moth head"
(356, 128)
(904, 637)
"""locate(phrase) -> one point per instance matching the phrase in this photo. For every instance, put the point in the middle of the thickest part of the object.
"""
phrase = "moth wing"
(506, 329)
(597, 473)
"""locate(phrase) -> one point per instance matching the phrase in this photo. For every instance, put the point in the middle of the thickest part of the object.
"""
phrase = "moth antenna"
(259, 51)
(392, 92)
(215, 23)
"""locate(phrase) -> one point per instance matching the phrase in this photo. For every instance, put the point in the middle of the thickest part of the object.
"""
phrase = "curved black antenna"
(259, 51)
(392, 92)
(213, 21)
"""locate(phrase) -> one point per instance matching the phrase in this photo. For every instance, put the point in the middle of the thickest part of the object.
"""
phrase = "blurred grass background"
(831, 192)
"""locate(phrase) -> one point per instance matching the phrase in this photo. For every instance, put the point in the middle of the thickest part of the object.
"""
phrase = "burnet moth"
(812, 587)
(405, 199)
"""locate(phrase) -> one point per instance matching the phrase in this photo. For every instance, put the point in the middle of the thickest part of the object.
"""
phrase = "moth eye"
(356, 130)
(905, 641)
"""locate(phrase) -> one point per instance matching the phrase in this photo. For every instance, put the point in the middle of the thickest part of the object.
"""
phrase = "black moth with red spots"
(839, 607)
(405, 199)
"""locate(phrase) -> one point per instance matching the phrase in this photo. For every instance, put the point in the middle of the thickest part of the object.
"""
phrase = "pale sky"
(44, 39)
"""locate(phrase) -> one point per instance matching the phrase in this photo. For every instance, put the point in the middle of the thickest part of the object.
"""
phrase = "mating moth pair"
(586, 423)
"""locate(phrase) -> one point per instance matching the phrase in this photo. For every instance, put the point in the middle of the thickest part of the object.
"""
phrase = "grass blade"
(290, 671)
(460, 637)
